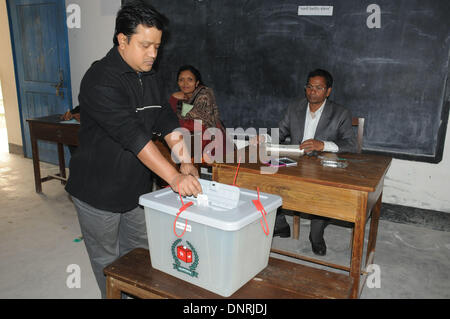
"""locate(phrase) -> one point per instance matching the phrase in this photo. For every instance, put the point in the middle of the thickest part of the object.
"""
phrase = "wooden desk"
(349, 194)
(50, 129)
(134, 275)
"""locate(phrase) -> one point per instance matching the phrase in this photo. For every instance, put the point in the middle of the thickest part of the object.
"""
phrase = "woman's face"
(187, 82)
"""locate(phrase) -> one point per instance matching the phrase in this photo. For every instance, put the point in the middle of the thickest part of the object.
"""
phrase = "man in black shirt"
(122, 108)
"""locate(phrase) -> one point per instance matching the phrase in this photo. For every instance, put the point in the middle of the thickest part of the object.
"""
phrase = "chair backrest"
(359, 122)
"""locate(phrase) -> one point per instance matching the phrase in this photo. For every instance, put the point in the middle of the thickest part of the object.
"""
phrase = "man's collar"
(319, 110)
(119, 63)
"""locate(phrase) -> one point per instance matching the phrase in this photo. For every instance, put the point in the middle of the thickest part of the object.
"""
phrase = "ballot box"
(218, 241)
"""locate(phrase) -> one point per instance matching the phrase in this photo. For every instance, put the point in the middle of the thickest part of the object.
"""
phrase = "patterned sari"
(204, 109)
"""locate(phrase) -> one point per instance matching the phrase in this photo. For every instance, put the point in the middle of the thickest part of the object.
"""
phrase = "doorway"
(41, 62)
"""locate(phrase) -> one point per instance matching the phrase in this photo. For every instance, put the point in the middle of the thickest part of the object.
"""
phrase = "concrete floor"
(37, 246)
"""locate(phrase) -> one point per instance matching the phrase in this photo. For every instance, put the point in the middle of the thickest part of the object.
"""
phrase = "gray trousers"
(108, 236)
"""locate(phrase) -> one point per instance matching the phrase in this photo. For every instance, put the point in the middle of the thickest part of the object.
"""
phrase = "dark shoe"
(318, 248)
(283, 232)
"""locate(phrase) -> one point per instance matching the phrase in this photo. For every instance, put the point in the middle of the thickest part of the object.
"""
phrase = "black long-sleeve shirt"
(121, 110)
(75, 110)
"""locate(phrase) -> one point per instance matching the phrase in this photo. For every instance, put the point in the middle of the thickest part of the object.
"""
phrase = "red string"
(237, 170)
(263, 212)
(257, 204)
(182, 209)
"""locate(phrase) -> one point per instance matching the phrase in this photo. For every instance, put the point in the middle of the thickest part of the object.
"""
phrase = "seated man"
(72, 114)
(316, 124)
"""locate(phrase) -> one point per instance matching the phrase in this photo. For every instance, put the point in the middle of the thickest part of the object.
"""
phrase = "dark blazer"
(335, 125)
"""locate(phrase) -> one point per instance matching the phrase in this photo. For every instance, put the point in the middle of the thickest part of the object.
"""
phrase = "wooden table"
(349, 194)
(50, 129)
(133, 274)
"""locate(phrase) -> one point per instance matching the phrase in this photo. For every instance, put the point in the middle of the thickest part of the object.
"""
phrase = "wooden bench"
(134, 275)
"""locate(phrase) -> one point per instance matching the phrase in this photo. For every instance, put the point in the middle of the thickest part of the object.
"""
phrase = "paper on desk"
(280, 148)
(186, 108)
(72, 121)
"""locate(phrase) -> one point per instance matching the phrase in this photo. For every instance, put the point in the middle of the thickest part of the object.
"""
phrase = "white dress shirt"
(311, 121)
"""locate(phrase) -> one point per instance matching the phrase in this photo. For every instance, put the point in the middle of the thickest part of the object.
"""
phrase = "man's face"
(141, 50)
(316, 90)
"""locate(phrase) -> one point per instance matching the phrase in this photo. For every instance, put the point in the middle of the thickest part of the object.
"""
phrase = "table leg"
(37, 169)
(373, 229)
(112, 290)
(62, 162)
(296, 227)
(358, 245)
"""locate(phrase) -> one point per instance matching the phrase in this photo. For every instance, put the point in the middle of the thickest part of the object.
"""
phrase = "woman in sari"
(195, 101)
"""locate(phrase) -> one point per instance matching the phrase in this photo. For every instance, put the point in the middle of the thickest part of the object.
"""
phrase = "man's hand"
(312, 145)
(189, 169)
(66, 116)
(186, 185)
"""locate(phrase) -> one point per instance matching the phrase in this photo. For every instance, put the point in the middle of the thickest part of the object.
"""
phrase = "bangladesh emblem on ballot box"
(187, 255)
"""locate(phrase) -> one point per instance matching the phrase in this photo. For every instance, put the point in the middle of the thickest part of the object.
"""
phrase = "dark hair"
(325, 74)
(198, 76)
(134, 13)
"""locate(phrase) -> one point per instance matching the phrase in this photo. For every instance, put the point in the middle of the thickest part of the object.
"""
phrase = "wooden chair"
(356, 122)
(359, 122)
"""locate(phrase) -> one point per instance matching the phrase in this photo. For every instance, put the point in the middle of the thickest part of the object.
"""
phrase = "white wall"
(92, 40)
(407, 183)
(8, 81)
(420, 185)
